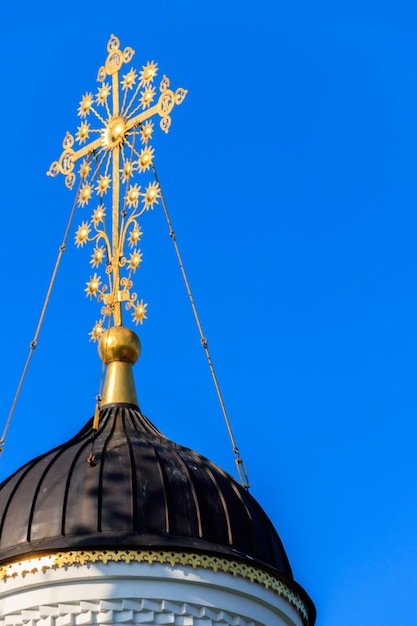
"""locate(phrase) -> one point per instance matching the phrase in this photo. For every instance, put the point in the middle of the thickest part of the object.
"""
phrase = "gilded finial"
(112, 146)
(119, 349)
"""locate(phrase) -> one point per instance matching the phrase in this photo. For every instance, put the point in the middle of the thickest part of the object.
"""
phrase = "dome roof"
(142, 492)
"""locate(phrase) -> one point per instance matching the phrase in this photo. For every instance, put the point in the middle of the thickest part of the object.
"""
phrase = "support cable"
(34, 341)
(91, 461)
(204, 342)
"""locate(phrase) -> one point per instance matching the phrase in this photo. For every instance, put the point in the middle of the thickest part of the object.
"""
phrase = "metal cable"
(34, 341)
(203, 340)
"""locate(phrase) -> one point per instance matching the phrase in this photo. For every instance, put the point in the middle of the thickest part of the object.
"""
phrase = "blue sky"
(290, 175)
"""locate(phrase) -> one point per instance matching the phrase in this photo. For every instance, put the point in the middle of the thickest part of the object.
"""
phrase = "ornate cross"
(109, 162)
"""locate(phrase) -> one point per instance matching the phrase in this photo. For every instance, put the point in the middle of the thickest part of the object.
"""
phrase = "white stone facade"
(114, 593)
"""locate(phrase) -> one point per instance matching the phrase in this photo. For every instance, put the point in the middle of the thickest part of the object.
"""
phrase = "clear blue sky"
(290, 173)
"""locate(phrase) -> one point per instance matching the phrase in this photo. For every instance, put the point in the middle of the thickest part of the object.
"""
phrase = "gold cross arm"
(65, 164)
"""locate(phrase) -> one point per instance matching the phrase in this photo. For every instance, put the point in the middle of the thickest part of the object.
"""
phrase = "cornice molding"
(214, 563)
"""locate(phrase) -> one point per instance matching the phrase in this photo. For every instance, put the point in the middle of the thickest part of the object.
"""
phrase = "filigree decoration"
(191, 559)
(112, 145)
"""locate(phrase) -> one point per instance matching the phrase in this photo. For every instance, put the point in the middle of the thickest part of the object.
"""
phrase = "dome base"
(139, 592)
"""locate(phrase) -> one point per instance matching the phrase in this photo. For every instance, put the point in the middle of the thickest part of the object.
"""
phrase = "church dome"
(141, 491)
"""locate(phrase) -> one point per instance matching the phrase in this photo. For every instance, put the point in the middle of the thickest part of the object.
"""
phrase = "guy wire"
(34, 341)
(204, 342)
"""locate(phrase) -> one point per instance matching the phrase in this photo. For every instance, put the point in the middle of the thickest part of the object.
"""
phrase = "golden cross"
(128, 118)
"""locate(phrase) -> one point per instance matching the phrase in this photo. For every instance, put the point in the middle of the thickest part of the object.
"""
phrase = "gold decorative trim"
(216, 564)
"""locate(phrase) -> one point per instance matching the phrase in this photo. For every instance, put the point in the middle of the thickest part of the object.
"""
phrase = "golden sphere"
(119, 343)
(114, 132)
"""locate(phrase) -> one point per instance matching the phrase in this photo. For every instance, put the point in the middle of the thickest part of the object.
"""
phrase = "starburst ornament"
(116, 126)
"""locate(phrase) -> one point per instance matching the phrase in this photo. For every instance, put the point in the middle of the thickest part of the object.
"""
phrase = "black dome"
(143, 492)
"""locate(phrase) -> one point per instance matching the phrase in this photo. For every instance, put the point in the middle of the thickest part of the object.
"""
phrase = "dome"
(140, 491)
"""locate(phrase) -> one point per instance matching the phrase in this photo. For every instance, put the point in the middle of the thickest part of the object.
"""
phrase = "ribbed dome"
(143, 492)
